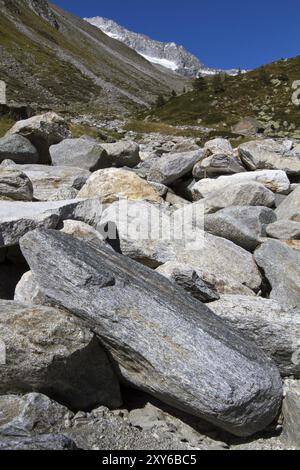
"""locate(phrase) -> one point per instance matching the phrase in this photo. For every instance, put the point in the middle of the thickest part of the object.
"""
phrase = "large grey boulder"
(171, 167)
(42, 131)
(18, 149)
(275, 180)
(270, 154)
(31, 413)
(284, 230)
(290, 207)
(187, 277)
(48, 180)
(15, 185)
(245, 226)
(80, 153)
(218, 146)
(291, 414)
(273, 328)
(50, 352)
(164, 341)
(123, 153)
(17, 218)
(217, 164)
(242, 194)
(281, 266)
(228, 267)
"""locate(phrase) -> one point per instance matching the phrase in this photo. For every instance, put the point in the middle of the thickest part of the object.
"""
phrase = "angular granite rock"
(273, 328)
(49, 351)
(18, 149)
(123, 153)
(217, 164)
(164, 341)
(284, 230)
(171, 167)
(289, 209)
(80, 153)
(15, 185)
(291, 413)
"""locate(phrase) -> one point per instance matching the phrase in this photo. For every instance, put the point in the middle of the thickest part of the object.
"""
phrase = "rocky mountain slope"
(268, 94)
(51, 58)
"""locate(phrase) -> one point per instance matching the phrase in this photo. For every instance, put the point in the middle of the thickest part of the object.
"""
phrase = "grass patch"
(5, 124)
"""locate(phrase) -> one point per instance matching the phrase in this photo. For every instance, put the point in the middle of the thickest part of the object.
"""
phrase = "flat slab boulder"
(217, 164)
(270, 154)
(49, 351)
(284, 230)
(275, 329)
(42, 131)
(281, 266)
(172, 166)
(15, 185)
(18, 149)
(163, 341)
(81, 153)
(275, 180)
(48, 180)
(113, 184)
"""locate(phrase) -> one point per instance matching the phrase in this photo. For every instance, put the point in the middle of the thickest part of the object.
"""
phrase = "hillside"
(221, 102)
(50, 58)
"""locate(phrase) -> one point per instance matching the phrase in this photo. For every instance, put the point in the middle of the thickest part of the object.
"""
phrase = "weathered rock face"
(217, 164)
(243, 194)
(124, 153)
(275, 180)
(284, 230)
(114, 183)
(219, 262)
(171, 167)
(27, 291)
(42, 442)
(32, 413)
(269, 154)
(47, 351)
(290, 207)
(275, 329)
(18, 149)
(42, 131)
(164, 341)
(291, 413)
(244, 226)
(15, 185)
(80, 153)
(281, 265)
(48, 180)
(218, 146)
(84, 232)
(17, 218)
(188, 278)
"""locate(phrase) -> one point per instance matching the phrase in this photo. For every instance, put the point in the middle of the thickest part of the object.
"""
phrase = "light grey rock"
(245, 226)
(217, 164)
(31, 413)
(275, 180)
(15, 185)
(17, 149)
(42, 442)
(289, 209)
(248, 126)
(291, 413)
(281, 266)
(17, 218)
(174, 237)
(269, 154)
(49, 351)
(176, 201)
(242, 194)
(64, 194)
(27, 291)
(48, 180)
(164, 341)
(84, 232)
(123, 153)
(284, 230)
(187, 277)
(217, 146)
(171, 167)
(80, 153)
(42, 131)
(273, 328)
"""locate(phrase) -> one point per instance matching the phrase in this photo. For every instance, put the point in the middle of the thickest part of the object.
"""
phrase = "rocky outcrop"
(161, 338)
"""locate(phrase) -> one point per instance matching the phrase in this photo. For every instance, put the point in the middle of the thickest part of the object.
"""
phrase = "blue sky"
(228, 33)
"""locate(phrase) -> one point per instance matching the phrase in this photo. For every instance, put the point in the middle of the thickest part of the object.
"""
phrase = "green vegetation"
(5, 124)
(100, 134)
(220, 101)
